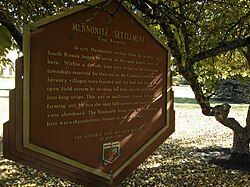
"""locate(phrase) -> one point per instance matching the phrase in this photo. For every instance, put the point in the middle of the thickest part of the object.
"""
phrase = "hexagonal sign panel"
(97, 95)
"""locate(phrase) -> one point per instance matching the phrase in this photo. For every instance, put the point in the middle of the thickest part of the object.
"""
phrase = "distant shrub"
(232, 90)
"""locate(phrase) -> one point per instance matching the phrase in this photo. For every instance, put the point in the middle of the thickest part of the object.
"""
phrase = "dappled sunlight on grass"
(185, 158)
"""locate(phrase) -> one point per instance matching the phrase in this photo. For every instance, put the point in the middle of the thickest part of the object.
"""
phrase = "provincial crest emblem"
(110, 152)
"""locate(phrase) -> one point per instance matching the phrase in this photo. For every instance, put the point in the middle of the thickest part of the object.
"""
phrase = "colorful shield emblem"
(110, 152)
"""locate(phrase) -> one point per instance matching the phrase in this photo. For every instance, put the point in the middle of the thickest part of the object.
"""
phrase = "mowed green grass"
(192, 103)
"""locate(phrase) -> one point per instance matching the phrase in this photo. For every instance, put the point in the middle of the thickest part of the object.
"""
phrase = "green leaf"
(5, 37)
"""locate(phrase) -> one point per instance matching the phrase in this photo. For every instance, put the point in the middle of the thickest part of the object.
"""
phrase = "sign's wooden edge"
(8, 136)
(26, 84)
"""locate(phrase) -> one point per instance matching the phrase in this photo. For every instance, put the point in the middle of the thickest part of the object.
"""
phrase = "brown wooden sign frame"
(16, 132)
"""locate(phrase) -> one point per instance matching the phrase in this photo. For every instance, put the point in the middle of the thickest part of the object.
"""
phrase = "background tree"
(197, 32)
(15, 13)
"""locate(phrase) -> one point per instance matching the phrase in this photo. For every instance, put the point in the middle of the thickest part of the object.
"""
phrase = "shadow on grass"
(174, 164)
(221, 157)
(228, 164)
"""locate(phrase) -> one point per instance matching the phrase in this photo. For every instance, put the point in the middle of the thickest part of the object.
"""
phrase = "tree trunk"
(240, 150)
(241, 140)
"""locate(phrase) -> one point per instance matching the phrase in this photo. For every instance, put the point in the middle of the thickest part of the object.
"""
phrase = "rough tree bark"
(241, 135)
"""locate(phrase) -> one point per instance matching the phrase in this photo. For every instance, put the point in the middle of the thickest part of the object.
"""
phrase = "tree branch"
(237, 23)
(173, 44)
(12, 29)
(221, 115)
(247, 54)
(220, 48)
(248, 119)
(201, 99)
(232, 124)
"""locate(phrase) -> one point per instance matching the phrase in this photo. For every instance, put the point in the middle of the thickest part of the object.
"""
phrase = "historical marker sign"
(96, 95)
